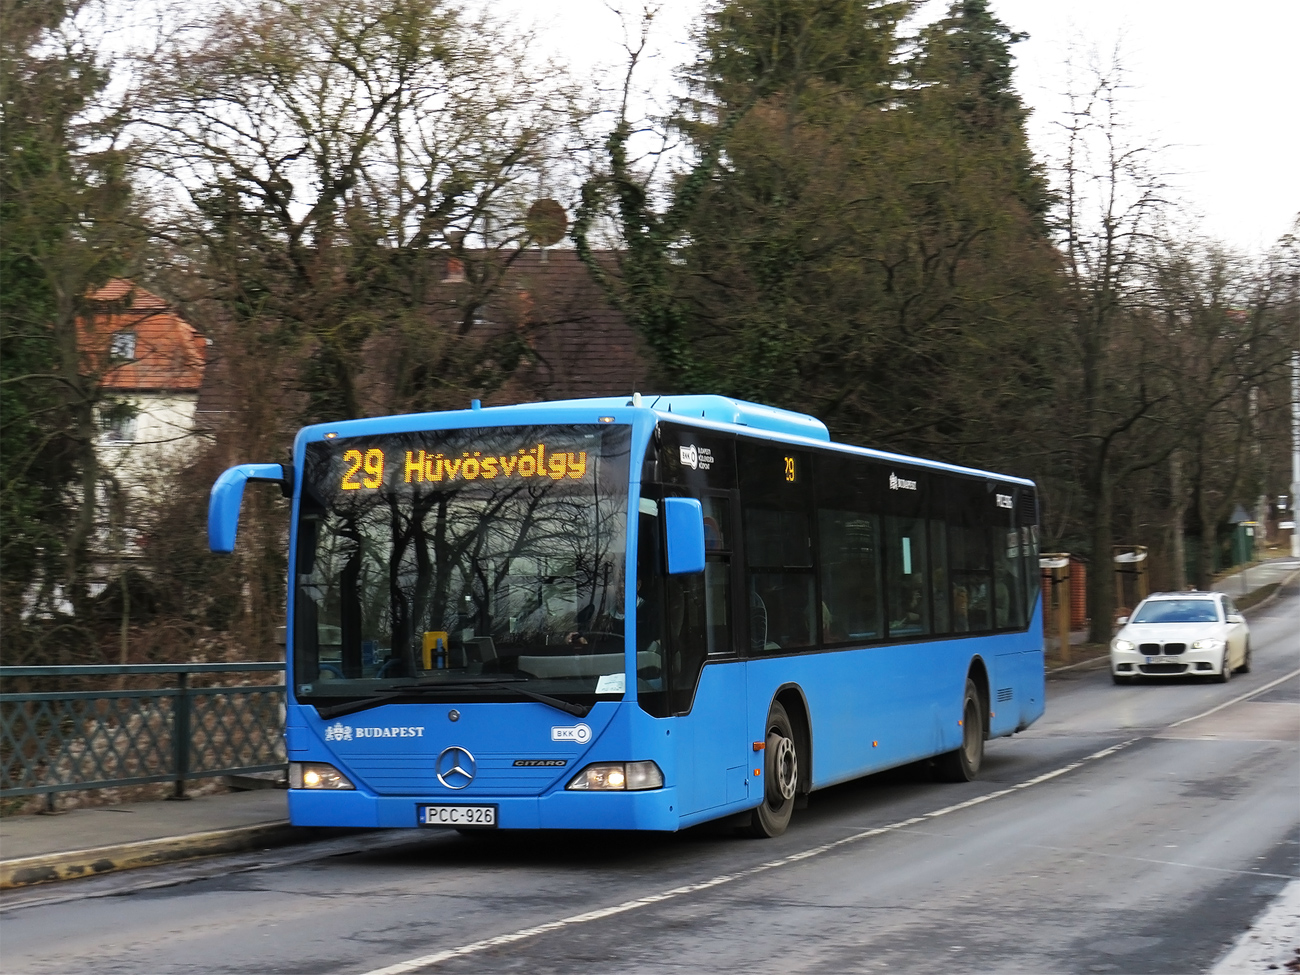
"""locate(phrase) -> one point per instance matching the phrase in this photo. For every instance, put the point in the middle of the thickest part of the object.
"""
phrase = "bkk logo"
(580, 733)
(696, 458)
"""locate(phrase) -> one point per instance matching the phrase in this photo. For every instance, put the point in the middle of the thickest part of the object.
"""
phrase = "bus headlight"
(618, 777)
(317, 775)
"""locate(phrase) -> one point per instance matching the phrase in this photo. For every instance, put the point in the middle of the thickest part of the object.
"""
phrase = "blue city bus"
(636, 613)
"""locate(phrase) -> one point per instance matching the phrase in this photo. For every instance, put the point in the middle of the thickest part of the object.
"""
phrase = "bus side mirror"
(228, 493)
(684, 531)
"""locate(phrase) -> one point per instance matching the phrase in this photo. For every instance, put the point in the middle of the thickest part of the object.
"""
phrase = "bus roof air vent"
(756, 416)
(719, 409)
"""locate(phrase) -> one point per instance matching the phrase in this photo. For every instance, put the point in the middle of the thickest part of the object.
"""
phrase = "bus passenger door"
(712, 756)
(707, 677)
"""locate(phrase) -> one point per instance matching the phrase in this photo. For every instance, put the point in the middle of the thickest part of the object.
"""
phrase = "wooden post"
(1057, 565)
(1063, 623)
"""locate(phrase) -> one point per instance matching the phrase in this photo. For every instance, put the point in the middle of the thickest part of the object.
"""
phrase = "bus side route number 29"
(481, 817)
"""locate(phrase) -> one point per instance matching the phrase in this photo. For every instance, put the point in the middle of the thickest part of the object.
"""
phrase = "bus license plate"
(465, 817)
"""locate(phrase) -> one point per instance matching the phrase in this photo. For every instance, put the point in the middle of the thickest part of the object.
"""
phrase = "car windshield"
(474, 557)
(1177, 611)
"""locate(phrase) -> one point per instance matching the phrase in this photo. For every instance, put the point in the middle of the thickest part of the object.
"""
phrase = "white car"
(1174, 633)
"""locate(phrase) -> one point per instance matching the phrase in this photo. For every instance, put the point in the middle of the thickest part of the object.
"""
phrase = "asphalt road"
(1116, 835)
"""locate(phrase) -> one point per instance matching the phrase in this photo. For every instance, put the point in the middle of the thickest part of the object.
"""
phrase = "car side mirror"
(1234, 618)
(684, 535)
(1121, 621)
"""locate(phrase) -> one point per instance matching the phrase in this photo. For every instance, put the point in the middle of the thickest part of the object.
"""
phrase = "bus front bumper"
(653, 810)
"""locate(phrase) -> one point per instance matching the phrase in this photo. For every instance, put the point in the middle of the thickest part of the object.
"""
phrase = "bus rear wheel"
(780, 776)
(962, 764)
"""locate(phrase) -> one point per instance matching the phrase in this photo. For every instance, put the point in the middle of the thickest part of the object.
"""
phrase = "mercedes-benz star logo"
(455, 767)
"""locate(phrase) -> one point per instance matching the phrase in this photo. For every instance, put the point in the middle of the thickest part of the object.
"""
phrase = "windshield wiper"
(365, 703)
(579, 710)
(419, 690)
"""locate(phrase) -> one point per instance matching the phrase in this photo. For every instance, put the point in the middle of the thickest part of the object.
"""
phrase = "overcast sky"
(1218, 85)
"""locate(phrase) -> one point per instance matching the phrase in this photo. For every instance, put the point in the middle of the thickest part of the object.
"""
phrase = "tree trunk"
(1178, 547)
(1101, 578)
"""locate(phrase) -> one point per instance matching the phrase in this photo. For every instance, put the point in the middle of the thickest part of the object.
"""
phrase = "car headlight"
(1122, 645)
(1207, 644)
(317, 775)
(618, 777)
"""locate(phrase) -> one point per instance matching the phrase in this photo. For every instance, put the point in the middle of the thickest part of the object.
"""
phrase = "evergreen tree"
(61, 205)
(873, 247)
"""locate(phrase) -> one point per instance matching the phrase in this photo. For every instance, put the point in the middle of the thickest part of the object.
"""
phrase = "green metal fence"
(76, 728)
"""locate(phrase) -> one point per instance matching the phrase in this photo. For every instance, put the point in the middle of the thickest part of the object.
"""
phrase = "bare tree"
(1111, 205)
(325, 150)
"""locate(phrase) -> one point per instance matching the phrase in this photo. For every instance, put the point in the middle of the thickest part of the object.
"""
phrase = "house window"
(455, 271)
(118, 427)
(122, 346)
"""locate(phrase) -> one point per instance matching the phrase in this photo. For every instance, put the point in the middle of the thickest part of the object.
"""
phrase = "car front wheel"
(1225, 670)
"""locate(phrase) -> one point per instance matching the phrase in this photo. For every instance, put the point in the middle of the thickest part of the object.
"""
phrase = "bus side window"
(651, 682)
(698, 607)
(1027, 519)
(775, 486)
(906, 577)
(850, 576)
(971, 578)
(939, 575)
(1006, 575)
(780, 579)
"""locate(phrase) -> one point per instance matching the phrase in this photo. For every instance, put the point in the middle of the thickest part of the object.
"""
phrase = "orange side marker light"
(759, 745)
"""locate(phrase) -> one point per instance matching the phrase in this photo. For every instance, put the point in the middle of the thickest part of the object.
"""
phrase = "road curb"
(52, 867)
(1275, 594)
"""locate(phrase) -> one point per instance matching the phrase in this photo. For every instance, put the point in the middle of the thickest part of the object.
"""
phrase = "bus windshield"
(481, 560)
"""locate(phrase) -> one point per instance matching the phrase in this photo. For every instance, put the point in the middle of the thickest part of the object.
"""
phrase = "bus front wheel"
(780, 776)
(963, 764)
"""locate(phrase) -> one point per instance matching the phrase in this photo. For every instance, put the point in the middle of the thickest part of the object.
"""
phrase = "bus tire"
(962, 764)
(780, 776)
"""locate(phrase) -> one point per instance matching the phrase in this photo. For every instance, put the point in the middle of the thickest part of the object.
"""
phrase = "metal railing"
(57, 739)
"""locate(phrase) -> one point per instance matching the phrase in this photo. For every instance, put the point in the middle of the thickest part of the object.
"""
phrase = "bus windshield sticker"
(696, 458)
(611, 684)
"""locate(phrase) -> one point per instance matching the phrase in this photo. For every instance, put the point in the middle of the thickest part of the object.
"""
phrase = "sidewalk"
(86, 842)
(1258, 576)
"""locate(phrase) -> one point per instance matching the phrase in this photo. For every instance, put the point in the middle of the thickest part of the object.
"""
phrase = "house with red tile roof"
(149, 364)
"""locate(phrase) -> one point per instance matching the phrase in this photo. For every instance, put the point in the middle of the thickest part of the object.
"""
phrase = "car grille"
(1162, 668)
(1153, 649)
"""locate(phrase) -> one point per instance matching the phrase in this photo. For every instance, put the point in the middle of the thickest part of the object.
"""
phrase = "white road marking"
(1269, 943)
(1237, 700)
(474, 948)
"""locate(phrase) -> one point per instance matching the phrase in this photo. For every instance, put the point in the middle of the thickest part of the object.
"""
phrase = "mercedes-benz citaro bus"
(636, 613)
